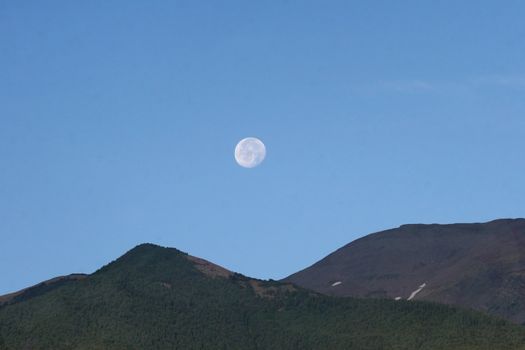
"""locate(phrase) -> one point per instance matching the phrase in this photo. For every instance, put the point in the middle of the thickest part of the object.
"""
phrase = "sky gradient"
(118, 123)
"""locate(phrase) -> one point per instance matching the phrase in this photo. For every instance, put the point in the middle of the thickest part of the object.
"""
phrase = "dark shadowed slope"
(40, 288)
(481, 266)
(160, 298)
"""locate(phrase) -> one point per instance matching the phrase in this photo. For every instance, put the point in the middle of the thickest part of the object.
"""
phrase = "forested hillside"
(160, 298)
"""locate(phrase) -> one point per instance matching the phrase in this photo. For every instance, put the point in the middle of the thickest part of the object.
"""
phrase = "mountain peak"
(502, 221)
(479, 265)
(148, 248)
(156, 297)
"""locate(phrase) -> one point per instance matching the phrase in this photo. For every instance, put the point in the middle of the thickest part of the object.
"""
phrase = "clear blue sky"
(118, 122)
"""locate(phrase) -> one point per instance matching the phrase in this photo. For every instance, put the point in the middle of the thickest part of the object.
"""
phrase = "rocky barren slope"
(479, 266)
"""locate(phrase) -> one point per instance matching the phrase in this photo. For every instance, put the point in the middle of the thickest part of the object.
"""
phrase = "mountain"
(161, 298)
(479, 266)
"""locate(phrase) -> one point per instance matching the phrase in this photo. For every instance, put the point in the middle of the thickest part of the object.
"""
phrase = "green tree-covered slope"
(160, 298)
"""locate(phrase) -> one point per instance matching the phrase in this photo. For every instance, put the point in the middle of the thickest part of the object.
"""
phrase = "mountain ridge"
(157, 298)
(479, 266)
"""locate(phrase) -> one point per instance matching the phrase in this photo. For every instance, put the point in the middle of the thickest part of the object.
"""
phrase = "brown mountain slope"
(481, 266)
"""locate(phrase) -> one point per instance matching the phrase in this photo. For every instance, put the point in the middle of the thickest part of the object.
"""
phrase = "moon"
(250, 152)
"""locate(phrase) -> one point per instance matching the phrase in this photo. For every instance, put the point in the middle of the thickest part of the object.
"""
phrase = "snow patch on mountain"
(414, 293)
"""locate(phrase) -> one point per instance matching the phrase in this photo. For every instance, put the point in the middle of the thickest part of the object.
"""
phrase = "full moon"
(250, 152)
